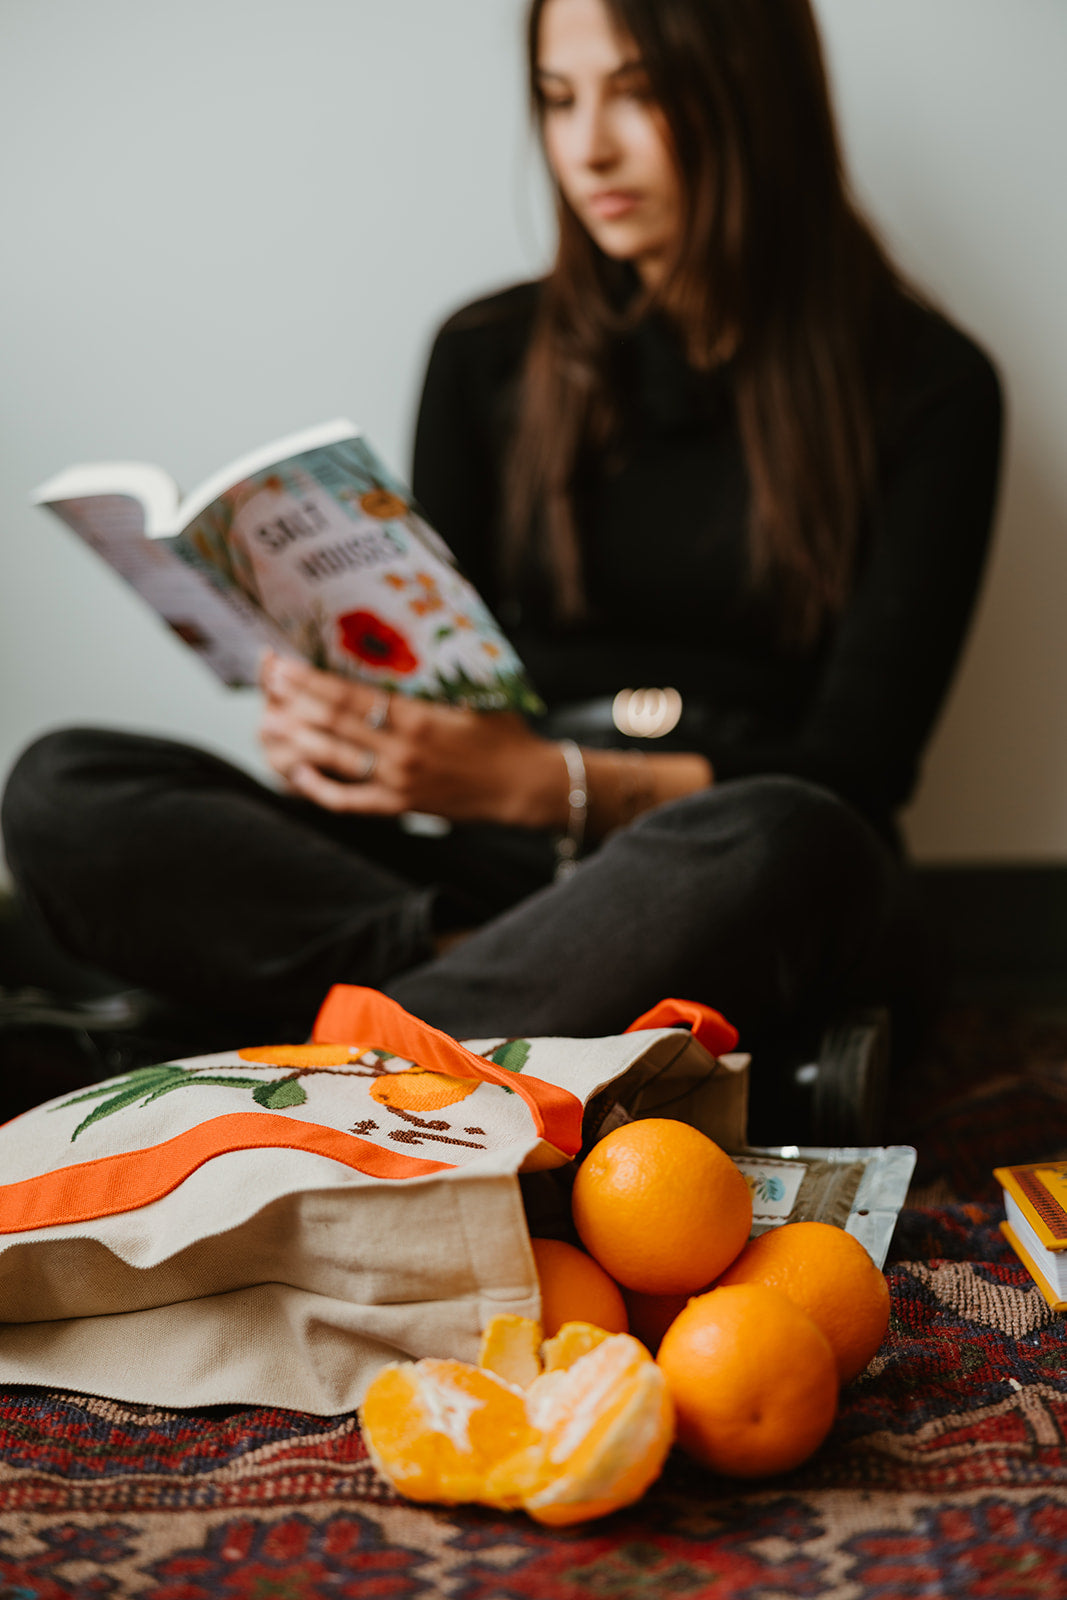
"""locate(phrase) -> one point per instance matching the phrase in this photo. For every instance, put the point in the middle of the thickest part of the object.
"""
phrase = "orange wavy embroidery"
(134, 1178)
(350, 1012)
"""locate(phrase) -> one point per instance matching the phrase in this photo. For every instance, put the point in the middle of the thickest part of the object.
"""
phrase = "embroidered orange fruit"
(302, 1055)
(578, 1441)
(754, 1381)
(828, 1274)
(419, 1089)
(652, 1314)
(661, 1207)
(574, 1288)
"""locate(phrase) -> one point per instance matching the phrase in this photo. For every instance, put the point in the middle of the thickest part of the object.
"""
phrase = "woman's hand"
(464, 765)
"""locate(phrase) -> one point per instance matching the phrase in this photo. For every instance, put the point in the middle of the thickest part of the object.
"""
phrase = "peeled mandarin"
(434, 1428)
(583, 1439)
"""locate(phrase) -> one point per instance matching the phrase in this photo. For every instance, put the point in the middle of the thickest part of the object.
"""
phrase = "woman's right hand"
(337, 744)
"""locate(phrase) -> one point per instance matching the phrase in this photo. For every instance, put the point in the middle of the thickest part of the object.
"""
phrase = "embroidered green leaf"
(513, 1055)
(143, 1078)
(151, 1083)
(279, 1094)
(107, 1108)
(202, 1077)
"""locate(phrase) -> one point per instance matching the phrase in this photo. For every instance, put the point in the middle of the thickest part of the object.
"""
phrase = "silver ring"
(378, 715)
(366, 771)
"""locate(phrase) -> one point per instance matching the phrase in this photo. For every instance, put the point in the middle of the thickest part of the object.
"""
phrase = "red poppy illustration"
(373, 641)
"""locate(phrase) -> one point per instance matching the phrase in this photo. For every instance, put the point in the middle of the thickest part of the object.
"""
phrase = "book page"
(329, 546)
(1051, 1263)
(228, 633)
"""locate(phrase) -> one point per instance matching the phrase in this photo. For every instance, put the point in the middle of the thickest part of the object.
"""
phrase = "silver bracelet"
(569, 844)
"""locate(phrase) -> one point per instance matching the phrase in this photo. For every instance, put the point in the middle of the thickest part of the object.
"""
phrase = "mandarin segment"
(754, 1381)
(511, 1347)
(575, 1288)
(607, 1426)
(574, 1340)
(828, 1274)
(434, 1428)
(661, 1207)
(604, 1427)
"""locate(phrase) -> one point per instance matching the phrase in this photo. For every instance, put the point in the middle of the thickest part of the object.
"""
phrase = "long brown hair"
(776, 266)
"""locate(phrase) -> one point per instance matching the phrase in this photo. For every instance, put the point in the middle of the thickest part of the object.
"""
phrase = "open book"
(308, 546)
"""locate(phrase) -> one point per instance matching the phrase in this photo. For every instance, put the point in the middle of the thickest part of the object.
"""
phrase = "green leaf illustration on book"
(146, 1084)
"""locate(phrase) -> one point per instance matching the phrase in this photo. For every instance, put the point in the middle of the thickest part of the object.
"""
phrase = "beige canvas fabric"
(279, 1274)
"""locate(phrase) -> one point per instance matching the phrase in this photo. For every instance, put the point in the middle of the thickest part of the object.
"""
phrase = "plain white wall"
(224, 219)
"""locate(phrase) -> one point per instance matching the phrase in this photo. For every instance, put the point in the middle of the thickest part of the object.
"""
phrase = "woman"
(719, 454)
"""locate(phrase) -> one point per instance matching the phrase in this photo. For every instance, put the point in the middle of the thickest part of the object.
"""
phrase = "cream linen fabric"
(283, 1276)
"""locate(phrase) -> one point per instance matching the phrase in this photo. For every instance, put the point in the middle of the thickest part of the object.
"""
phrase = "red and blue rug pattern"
(945, 1475)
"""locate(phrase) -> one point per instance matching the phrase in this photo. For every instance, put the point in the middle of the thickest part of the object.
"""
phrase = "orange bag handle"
(353, 1015)
(717, 1035)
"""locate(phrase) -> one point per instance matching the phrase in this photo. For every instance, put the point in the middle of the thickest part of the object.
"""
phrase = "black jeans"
(767, 898)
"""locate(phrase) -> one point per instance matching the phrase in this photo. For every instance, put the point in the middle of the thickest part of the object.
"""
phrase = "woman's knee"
(758, 807)
(70, 786)
(39, 786)
(779, 835)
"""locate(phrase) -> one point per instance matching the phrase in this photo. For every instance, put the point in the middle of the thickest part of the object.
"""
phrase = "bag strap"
(710, 1027)
(353, 1015)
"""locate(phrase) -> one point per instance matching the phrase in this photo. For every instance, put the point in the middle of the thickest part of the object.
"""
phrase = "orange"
(575, 1289)
(652, 1314)
(579, 1440)
(828, 1274)
(661, 1207)
(754, 1381)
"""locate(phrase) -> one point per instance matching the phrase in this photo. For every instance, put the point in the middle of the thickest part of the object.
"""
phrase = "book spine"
(1040, 1208)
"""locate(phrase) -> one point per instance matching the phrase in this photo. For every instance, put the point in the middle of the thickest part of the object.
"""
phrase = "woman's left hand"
(349, 748)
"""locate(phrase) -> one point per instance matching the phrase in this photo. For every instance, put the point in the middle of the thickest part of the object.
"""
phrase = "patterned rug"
(945, 1475)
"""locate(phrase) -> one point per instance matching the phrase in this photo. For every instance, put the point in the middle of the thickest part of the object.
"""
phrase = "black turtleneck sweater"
(663, 533)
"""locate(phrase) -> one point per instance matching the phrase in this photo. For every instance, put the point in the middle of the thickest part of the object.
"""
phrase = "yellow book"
(1035, 1200)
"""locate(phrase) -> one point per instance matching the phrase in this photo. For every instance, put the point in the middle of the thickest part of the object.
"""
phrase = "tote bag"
(272, 1225)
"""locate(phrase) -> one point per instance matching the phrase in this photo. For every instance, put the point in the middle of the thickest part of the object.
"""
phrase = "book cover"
(308, 545)
(1040, 1191)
